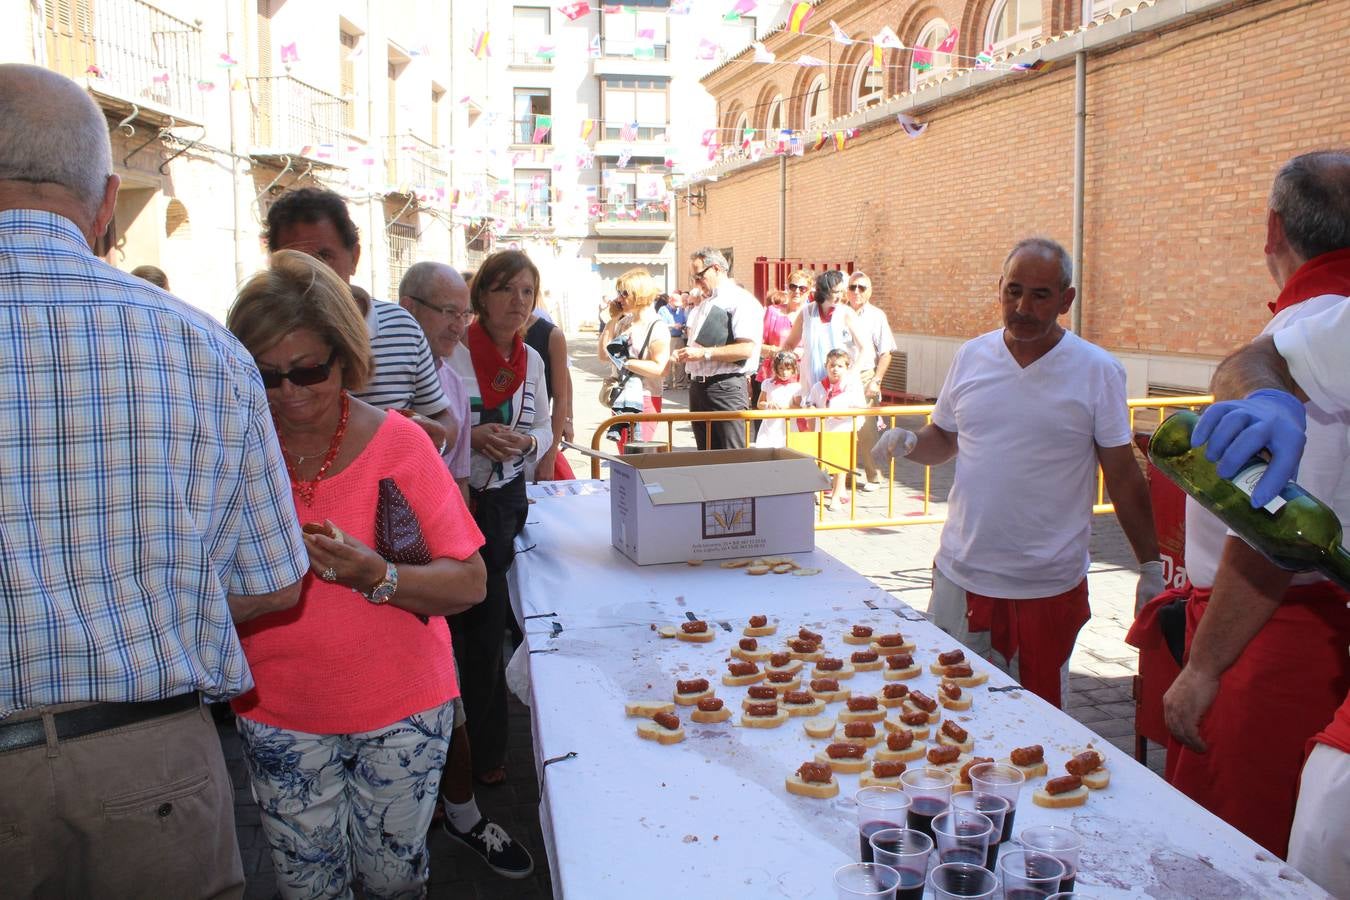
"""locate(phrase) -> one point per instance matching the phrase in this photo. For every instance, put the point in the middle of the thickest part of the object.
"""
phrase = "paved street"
(897, 559)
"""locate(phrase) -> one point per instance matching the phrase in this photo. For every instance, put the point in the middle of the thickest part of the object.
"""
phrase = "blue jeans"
(343, 809)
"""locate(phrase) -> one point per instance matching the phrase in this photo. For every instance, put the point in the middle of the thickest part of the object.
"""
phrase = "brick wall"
(1185, 131)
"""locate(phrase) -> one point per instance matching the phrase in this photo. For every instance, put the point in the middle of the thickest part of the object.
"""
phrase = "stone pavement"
(897, 559)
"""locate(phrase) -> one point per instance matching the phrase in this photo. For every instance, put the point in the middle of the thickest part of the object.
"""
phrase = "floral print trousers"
(349, 809)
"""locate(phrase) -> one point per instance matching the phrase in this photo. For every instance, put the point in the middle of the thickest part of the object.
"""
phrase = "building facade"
(1190, 107)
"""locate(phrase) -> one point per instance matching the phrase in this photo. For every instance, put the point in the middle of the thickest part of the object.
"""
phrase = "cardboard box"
(718, 504)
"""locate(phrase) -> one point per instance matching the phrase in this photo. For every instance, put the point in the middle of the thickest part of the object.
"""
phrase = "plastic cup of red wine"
(1064, 844)
(962, 836)
(962, 880)
(906, 851)
(1003, 781)
(1028, 875)
(992, 807)
(871, 881)
(929, 791)
(879, 807)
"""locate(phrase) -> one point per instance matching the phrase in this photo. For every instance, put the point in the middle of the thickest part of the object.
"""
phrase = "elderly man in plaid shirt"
(145, 511)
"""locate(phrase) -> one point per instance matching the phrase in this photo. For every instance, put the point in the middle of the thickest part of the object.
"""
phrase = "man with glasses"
(873, 361)
(724, 333)
(317, 222)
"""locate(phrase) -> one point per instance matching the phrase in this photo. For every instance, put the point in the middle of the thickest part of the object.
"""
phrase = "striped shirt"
(405, 375)
(526, 412)
(141, 482)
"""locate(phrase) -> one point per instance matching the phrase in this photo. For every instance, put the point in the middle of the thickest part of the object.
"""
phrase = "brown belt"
(91, 719)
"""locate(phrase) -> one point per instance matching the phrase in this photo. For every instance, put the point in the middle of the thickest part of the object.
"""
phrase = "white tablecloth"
(709, 817)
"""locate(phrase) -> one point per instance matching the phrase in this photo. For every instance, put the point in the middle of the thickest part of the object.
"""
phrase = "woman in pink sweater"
(348, 723)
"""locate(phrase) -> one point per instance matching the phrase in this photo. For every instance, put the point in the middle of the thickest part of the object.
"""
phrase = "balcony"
(632, 219)
(133, 56)
(525, 54)
(414, 165)
(624, 48)
(292, 118)
(617, 138)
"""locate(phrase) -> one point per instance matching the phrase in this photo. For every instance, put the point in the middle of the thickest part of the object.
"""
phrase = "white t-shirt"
(1322, 471)
(876, 328)
(779, 394)
(1315, 349)
(850, 398)
(1019, 515)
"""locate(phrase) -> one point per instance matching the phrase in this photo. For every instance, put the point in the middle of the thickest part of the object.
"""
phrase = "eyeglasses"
(698, 276)
(799, 288)
(463, 315)
(304, 376)
(859, 287)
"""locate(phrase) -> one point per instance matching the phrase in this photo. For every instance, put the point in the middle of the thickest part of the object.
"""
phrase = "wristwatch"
(383, 591)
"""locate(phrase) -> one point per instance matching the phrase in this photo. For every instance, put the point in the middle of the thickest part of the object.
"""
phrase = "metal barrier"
(1145, 413)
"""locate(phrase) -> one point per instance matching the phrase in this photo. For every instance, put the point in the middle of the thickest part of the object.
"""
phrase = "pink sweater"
(336, 663)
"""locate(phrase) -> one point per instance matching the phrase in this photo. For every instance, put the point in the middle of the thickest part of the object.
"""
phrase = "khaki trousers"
(141, 811)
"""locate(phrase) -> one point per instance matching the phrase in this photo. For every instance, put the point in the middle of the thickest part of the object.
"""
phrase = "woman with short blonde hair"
(637, 344)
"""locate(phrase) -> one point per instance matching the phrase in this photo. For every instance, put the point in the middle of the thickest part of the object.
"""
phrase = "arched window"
(773, 122)
(869, 85)
(817, 104)
(1013, 25)
(932, 35)
(738, 134)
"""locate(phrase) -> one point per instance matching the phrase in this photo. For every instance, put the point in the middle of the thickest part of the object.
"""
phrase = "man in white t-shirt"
(1028, 412)
(873, 360)
(724, 333)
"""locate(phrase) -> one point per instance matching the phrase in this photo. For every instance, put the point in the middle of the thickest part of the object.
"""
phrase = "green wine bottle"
(1295, 531)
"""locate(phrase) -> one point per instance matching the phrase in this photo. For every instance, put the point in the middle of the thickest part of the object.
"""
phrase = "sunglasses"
(304, 376)
(859, 287)
(797, 288)
(698, 276)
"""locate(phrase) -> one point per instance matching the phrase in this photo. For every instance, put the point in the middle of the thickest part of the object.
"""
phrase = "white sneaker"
(869, 486)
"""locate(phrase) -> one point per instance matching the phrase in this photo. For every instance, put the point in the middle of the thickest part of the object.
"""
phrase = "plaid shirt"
(140, 481)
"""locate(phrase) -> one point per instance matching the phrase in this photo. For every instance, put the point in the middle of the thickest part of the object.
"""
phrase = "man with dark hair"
(1293, 656)
(723, 333)
(316, 221)
(1028, 412)
(146, 512)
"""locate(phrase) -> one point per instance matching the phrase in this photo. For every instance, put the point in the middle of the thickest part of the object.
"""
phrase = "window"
(402, 238)
(773, 122)
(739, 34)
(350, 41)
(817, 105)
(623, 34)
(738, 133)
(933, 34)
(869, 84)
(530, 104)
(529, 34)
(625, 99)
(1013, 25)
(635, 192)
(533, 192)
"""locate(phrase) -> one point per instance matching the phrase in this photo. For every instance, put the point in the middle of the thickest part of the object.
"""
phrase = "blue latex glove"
(1236, 430)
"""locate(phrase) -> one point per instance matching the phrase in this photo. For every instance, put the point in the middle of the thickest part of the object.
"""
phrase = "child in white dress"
(840, 389)
(778, 392)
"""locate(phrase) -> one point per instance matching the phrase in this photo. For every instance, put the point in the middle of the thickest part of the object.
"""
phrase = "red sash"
(1040, 632)
(498, 378)
(1284, 687)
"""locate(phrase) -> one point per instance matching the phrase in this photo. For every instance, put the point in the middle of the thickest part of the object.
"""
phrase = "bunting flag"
(542, 126)
(762, 53)
(888, 39)
(709, 137)
(226, 61)
(1031, 66)
(679, 7)
(574, 11)
(546, 50)
(923, 59)
(807, 59)
(595, 50)
(839, 36)
(983, 60)
(876, 58)
(160, 77)
(798, 16)
(587, 126)
(819, 141)
(841, 138)
(795, 146)
(206, 87)
(93, 71)
(707, 49)
(911, 125)
(625, 157)
(479, 47)
(289, 53)
(629, 132)
(742, 8)
(746, 137)
(948, 44)
(645, 45)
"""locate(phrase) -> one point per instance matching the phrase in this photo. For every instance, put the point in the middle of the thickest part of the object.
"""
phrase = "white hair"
(53, 133)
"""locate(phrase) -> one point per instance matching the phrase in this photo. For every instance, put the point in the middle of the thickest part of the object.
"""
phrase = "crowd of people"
(311, 512)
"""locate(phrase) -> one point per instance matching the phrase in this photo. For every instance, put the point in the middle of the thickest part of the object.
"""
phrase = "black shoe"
(490, 841)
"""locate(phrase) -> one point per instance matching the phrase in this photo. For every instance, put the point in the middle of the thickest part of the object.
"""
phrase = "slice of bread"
(872, 741)
(914, 751)
(1097, 779)
(754, 656)
(920, 731)
(760, 630)
(866, 715)
(809, 657)
(902, 674)
(832, 696)
(843, 766)
(742, 680)
(668, 631)
(867, 779)
(701, 637)
(821, 727)
(848, 637)
(873, 666)
(1076, 797)
(906, 647)
(647, 708)
(692, 699)
(814, 708)
(1032, 771)
(819, 791)
(967, 746)
(764, 721)
(649, 730)
(717, 715)
(846, 672)
(965, 701)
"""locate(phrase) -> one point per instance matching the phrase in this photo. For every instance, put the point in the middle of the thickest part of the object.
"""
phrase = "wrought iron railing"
(414, 163)
(290, 116)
